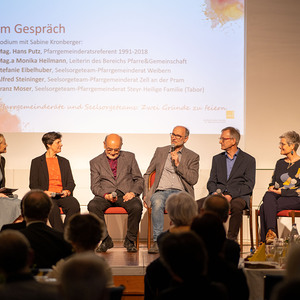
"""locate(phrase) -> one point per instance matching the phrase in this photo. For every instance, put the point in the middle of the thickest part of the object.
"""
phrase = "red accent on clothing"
(55, 183)
(113, 163)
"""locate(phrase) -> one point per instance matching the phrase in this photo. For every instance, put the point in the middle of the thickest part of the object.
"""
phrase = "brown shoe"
(271, 235)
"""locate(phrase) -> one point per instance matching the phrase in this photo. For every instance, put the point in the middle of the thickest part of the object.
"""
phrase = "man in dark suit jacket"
(48, 244)
(232, 175)
(116, 180)
(177, 169)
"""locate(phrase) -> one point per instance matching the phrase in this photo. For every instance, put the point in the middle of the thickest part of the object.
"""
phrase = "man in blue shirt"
(232, 175)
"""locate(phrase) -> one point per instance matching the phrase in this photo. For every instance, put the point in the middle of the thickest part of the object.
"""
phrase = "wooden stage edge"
(129, 268)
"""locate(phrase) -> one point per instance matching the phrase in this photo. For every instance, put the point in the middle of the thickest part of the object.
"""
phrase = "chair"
(149, 209)
(116, 292)
(284, 213)
(62, 214)
(247, 212)
(120, 211)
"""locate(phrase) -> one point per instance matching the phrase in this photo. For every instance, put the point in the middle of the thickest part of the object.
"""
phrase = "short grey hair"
(182, 208)
(234, 133)
(292, 137)
(187, 131)
(84, 276)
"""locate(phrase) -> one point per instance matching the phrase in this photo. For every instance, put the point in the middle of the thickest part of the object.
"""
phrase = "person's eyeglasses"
(282, 144)
(113, 150)
(224, 139)
(176, 136)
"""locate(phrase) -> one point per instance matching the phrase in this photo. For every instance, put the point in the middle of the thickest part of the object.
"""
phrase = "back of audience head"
(184, 256)
(36, 206)
(84, 277)
(84, 231)
(16, 254)
(289, 287)
(181, 208)
(211, 230)
(217, 204)
(293, 263)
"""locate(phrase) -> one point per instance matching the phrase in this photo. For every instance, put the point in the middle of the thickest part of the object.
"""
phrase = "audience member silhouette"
(185, 257)
(16, 258)
(83, 232)
(182, 209)
(84, 276)
(219, 205)
(289, 287)
(48, 244)
(210, 228)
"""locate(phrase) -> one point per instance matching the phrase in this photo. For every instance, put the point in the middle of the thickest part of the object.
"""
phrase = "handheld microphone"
(219, 192)
(172, 148)
(114, 194)
(276, 186)
(56, 195)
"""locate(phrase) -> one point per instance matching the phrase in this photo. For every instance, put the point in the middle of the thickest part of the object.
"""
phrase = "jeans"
(158, 202)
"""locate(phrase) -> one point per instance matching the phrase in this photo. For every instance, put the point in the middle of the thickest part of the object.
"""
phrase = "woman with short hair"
(284, 190)
(52, 174)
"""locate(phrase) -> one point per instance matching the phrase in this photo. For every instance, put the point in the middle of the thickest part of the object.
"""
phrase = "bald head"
(36, 206)
(112, 145)
(218, 205)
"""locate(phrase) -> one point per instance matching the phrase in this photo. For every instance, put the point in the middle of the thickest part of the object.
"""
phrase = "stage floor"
(129, 268)
(124, 263)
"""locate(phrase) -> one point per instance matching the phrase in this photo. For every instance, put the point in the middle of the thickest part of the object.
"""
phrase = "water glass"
(270, 252)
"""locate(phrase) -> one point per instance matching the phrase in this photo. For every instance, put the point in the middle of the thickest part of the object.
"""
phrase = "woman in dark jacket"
(52, 174)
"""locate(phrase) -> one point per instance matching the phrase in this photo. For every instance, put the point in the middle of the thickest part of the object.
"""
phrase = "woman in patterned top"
(284, 190)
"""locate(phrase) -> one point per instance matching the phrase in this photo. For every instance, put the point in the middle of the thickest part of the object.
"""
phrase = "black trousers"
(69, 205)
(272, 204)
(237, 205)
(133, 207)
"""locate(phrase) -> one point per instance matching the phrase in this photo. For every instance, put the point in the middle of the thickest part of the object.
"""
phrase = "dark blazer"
(241, 180)
(39, 177)
(14, 226)
(129, 177)
(2, 166)
(187, 170)
(48, 244)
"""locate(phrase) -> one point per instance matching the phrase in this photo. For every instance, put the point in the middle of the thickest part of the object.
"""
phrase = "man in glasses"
(116, 180)
(233, 176)
(177, 169)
